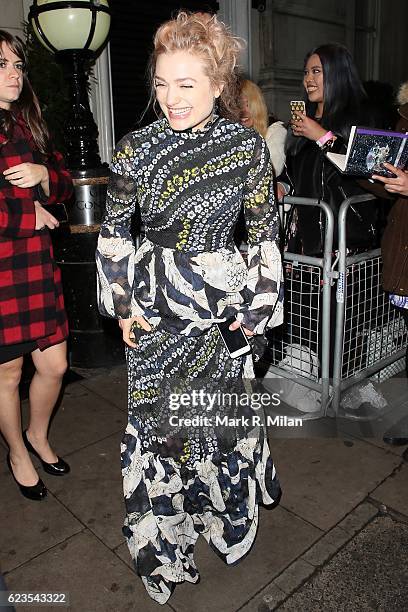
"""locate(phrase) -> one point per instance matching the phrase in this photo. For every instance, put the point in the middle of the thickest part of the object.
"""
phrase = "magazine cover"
(371, 148)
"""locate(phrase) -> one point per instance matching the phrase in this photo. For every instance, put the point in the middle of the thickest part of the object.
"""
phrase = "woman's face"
(11, 76)
(313, 79)
(183, 90)
(245, 117)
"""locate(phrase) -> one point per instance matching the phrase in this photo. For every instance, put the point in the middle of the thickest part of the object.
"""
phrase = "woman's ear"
(218, 90)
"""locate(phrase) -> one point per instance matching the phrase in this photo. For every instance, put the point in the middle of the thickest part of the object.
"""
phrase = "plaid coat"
(31, 299)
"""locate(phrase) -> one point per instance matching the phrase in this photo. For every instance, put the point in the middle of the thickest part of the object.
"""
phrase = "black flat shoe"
(37, 492)
(59, 468)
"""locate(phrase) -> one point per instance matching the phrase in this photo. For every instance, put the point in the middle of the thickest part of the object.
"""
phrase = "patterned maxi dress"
(187, 275)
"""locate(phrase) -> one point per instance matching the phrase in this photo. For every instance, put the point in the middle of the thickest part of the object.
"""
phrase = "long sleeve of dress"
(116, 250)
(264, 289)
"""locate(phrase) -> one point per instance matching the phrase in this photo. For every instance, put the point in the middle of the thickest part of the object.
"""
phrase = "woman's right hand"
(307, 127)
(43, 218)
(126, 327)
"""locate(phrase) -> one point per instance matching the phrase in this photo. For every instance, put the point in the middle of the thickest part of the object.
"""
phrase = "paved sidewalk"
(338, 541)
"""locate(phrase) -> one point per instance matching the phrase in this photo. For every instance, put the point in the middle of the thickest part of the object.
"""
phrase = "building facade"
(279, 33)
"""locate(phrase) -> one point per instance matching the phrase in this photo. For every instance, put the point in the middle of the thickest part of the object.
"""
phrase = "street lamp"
(75, 30)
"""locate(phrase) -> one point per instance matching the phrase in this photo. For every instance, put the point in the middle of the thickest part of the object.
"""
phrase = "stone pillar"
(288, 29)
(237, 14)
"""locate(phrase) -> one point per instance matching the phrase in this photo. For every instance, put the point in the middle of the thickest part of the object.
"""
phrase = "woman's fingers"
(236, 324)
(397, 184)
(247, 331)
(127, 333)
(43, 218)
(141, 322)
(26, 174)
(127, 326)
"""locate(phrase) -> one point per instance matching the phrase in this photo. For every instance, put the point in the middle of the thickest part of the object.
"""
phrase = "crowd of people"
(214, 153)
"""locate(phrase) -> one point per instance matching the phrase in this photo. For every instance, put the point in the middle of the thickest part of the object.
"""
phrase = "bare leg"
(50, 366)
(10, 422)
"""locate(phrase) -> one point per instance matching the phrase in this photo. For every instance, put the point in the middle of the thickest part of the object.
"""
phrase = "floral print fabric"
(190, 187)
(187, 275)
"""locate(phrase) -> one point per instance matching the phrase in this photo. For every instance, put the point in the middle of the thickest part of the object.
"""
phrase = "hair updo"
(205, 36)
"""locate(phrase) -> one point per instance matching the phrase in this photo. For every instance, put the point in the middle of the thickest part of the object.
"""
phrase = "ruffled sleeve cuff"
(264, 306)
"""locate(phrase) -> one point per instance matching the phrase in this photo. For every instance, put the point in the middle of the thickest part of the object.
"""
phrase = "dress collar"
(198, 133)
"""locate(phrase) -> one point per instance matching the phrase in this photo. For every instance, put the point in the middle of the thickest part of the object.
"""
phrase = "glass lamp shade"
(70, 26)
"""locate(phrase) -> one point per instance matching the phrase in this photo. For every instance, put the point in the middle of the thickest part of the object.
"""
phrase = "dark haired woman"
(32, 317)
(190, 172)
(335, 100)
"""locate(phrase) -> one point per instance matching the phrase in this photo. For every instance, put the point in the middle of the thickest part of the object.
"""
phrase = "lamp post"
(75, 30)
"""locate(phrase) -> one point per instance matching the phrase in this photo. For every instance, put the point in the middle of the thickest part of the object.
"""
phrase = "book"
(368, 149)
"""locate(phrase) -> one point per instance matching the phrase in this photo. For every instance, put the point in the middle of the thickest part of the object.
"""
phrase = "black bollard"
(94, 341)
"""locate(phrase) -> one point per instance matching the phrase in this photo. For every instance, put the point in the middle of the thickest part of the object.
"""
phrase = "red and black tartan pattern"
(31, 298)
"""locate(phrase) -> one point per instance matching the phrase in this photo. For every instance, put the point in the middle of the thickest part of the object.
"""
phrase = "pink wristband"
(323, 139)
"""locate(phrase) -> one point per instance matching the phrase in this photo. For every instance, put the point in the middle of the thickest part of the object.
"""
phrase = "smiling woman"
(187, 97)
(335, 100)
(190, 173)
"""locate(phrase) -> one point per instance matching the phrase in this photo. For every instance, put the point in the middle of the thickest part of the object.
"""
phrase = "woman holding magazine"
(334, 100)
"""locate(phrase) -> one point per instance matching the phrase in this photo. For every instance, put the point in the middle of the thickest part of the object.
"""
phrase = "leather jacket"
(312, 175)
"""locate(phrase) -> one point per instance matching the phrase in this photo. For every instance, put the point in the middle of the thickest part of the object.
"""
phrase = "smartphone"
(58, 211)
(297, 107)
(235, 341)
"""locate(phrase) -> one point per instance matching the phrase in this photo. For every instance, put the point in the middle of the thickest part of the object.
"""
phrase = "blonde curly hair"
(402, 96)
(205, 36)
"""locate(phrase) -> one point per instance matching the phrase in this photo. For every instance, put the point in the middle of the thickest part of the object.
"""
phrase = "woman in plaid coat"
(32, 316)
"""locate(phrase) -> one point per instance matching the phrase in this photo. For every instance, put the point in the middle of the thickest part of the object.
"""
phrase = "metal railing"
(303, 343)
(368, 333)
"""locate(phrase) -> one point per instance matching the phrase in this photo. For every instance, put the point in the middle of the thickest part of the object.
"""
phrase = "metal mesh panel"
(296, 344)
(373, 327)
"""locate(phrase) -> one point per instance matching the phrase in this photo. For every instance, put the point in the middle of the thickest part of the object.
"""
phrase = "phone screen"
(235, 341)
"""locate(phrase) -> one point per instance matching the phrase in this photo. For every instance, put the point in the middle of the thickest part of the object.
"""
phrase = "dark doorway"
(133, 26)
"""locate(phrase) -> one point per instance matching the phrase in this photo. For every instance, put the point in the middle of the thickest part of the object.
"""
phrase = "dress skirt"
(182, 481)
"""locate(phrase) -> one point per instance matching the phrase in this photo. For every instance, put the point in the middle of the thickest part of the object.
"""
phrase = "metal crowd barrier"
(300, 349)
(368, 333)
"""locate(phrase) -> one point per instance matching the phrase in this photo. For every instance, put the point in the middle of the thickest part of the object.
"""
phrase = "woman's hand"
(28, 175)
(280, 191)
(126, 327)
(236, 324)
(43, 218)
(399, 184)
(307, 127)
